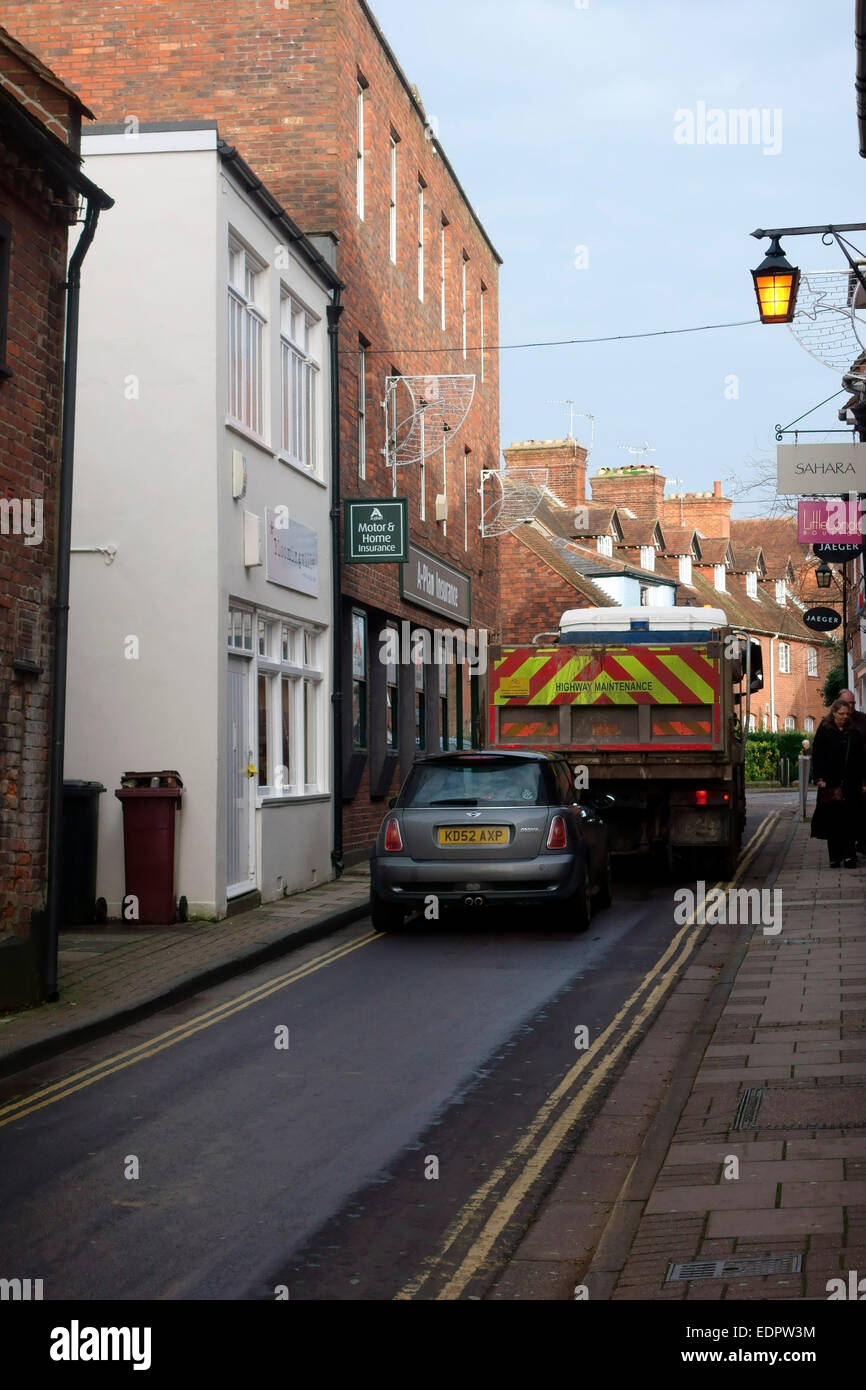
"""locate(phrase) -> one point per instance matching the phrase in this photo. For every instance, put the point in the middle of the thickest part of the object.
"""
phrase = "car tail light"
(558, 837)
(393, 838)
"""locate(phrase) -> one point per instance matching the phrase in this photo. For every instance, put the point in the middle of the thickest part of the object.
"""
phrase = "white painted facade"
(169, 666)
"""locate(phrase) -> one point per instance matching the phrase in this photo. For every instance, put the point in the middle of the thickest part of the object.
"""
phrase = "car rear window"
(481, 782)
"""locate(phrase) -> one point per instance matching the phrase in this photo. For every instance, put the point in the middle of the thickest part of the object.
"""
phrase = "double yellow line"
(78, 1081)
(537, 1146)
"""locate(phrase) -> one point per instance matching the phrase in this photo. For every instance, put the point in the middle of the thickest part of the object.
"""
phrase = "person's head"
(840, 713)
(850, 700)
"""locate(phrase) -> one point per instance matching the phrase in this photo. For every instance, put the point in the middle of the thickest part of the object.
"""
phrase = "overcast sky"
(560, 118)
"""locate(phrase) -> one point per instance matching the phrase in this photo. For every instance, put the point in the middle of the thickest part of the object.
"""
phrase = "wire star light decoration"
(830, 321)
(422, 413)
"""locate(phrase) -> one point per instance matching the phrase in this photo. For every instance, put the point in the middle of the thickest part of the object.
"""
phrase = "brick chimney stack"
(639, 486)
(565, 461)
(707, 512)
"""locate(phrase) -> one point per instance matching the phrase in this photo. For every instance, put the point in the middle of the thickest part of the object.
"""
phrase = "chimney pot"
(717, 489)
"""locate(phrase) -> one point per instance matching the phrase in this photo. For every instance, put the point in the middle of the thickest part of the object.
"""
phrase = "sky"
(568, 123)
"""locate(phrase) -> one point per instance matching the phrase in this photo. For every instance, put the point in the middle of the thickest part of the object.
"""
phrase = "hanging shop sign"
(835, 519)
(376, 531)
(822, 619)
(823, 470)
(836, 553)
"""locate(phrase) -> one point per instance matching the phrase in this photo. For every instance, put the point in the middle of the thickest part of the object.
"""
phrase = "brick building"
(632, 545)
(316, 99)
(40, 182)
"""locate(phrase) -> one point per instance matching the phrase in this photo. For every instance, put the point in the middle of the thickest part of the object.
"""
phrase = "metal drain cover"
(801, 1106)
(730, 1269)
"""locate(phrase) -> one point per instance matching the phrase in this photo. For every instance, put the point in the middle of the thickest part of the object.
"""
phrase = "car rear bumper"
(398, 879)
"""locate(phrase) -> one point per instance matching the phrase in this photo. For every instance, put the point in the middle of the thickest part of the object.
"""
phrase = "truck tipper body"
(649, 705)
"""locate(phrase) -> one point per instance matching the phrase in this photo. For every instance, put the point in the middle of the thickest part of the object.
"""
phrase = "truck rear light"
(393, 838)
(558, 837)
(700, 798)
(711, 798)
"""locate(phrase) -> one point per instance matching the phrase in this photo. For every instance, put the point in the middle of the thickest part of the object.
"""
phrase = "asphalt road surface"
(337, 1125)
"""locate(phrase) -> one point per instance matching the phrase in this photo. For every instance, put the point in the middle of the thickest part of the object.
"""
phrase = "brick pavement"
(785, 1175)
(115, 974)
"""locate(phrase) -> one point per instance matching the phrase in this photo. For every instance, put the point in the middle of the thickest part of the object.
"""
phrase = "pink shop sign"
(830, 519)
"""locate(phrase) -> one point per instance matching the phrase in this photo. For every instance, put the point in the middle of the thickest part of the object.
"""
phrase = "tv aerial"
(638, 449)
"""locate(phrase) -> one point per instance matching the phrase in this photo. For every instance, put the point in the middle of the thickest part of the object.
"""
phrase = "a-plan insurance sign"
(827, 470)
(376, 532)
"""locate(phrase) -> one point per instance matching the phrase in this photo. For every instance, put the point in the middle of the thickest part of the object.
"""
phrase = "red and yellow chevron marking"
(627, 675)
(526, 728)
(685, 727)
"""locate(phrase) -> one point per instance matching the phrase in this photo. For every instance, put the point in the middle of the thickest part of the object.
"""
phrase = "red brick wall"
(639, 489)
(534, 597)
(281, 83)
(564, 460)
(699, 511)
(30, 406)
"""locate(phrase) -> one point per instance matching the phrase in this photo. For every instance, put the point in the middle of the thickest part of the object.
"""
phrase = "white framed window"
(753, 724)
(392, 204)
(240, 630)
(604, 545)
(784, 659)
(421, 191)
(392, 697)
(781, 592)
(362, 410)
(246, 331)
(790, 723)
(812, 661)
(443, 271)
(481, 321)
(289, 708)
(685, 569)
(361, 153)
(809, 725)
(359, 679)
(299, 373)
(752, 584)
(644, 596)
(464, 303)
(719, 578)
(647, 557)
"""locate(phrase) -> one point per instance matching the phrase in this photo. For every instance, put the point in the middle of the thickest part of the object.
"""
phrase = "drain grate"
(748, 1107)
(731, 1269)
(803, 1106)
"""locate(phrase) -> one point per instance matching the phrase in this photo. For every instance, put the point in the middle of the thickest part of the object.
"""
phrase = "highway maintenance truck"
(650, 706)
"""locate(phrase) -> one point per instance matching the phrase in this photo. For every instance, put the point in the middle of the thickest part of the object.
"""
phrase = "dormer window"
(719, 578)
(752, 584)
(647, 557)
(604, 545)
(781, 592)
(685, 569)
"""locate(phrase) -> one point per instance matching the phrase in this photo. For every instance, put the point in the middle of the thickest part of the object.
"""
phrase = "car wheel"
(575, 914)
(604, 895)
(386, 916)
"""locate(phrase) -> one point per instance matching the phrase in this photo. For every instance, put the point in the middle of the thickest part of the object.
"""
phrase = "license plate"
(473, 835)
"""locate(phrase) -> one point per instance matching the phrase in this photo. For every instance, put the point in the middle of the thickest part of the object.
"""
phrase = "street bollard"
(804, 769)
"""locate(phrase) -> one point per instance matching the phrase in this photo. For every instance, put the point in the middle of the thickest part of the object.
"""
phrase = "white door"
(239, 787)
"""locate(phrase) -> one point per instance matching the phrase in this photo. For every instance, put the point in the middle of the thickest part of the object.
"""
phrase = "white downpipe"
(773, 641)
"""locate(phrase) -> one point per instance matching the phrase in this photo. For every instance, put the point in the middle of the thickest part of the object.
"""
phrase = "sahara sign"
(806, 470)
(376, 532)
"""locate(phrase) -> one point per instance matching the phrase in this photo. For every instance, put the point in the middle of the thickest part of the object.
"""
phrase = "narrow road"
(321, 1123)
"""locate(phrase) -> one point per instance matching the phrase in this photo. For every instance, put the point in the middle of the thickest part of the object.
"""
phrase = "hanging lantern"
(776, 284)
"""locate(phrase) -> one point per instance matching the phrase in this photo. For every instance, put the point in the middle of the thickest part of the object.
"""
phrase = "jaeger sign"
(821, 619)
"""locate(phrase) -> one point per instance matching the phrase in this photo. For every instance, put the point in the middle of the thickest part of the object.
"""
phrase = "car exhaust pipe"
(473, 902)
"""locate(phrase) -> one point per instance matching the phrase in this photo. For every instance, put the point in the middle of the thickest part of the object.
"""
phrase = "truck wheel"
(385, 916)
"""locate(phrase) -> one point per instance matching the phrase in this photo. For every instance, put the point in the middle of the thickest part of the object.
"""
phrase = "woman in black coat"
(838, 762)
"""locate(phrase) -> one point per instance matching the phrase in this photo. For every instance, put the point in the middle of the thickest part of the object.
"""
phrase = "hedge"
(764, 750)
